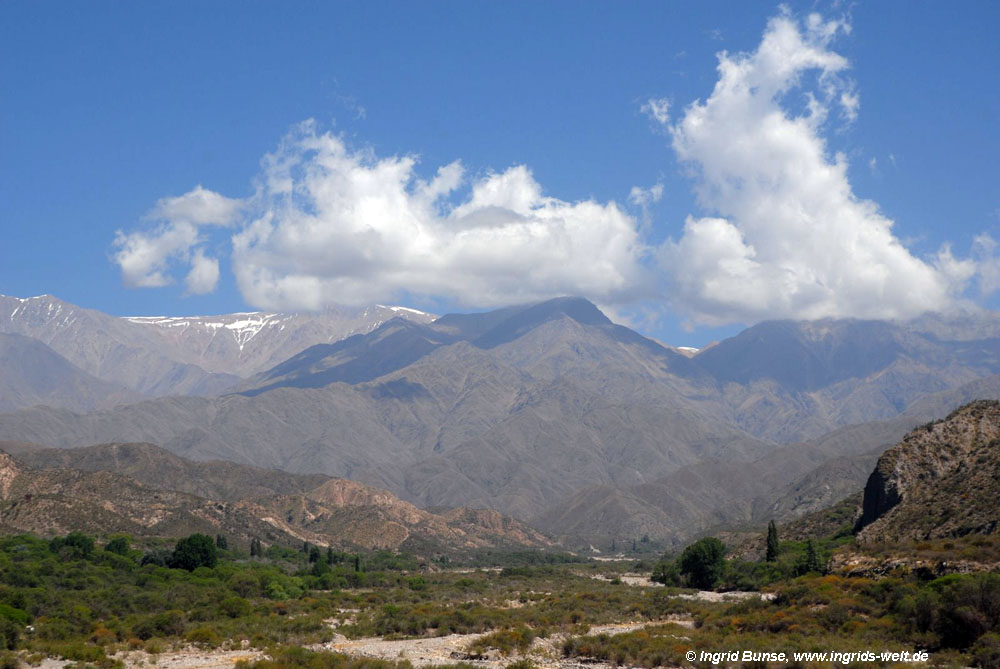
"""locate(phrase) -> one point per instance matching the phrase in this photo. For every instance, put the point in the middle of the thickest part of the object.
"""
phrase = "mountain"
(551, 413)
(158, 468)
(719, 495)
(795, 380)
(32, 373)
(181, 355)
(339, 513)
(942, 479)
(460, 414)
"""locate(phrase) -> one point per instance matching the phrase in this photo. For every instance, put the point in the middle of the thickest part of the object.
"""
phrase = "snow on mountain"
(160, 355)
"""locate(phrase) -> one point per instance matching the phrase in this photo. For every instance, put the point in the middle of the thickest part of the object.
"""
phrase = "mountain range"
(548, 412)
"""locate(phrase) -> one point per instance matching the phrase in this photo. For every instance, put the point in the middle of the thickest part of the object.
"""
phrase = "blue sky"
(110, 110)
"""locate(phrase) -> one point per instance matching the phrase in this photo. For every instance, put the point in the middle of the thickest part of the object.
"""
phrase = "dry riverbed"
(545, 653)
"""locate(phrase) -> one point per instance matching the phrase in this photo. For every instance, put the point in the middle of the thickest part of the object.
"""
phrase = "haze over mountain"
(32, 373)
(157, 356)
(552, 413)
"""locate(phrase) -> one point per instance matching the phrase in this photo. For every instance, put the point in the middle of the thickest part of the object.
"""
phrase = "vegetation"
(70, 598)
(771, 554)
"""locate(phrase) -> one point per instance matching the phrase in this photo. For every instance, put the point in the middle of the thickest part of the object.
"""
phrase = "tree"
(74, 545)
(118, 544)
(221, 542)
(772, 542)
(811, 562)
(703, 562)
(197, 550)
(255, 549)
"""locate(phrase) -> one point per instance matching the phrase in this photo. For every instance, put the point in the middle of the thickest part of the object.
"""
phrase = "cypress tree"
(812, 559)
(772, 542)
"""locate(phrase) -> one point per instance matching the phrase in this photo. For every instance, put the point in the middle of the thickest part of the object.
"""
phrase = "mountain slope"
(32, 373)
(181, 355)
(339, 513)
(942, 479)
(158, 468)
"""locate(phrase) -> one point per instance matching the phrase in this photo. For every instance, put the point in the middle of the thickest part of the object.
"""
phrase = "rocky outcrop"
(943, 479)
(102, 495)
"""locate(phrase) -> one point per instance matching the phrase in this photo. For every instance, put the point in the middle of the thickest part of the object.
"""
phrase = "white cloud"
(850, 102)
(984, 250)
(146, 257)
(204, 274)
(332, 225)
(199, 207)
(143, 257)
(788, 237)
(657, 109)
(644, 197)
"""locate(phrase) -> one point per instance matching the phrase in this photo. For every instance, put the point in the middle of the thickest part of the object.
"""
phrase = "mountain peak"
(524, 319)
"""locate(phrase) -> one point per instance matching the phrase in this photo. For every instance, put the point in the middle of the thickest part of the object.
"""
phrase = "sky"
(692, 168)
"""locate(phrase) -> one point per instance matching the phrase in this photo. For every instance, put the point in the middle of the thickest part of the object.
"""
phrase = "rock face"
(942, 480)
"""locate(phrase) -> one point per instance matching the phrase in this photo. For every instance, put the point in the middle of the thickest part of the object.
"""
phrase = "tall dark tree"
(811, 563)
(772, 542)
(220, 542)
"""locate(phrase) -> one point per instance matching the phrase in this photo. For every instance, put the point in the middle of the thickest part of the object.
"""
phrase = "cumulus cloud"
(145, 257)
(781, 233)
(199, 206)
(787, 236)
(334, 225)
(204, 274)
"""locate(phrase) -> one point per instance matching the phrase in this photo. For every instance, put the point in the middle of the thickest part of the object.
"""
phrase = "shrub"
(10, 634)
(118, 545)
(234, 607)
(666, 572)
(74, 545)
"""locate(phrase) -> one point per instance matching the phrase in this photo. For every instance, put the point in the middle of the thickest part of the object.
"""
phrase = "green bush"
(703, 563)
(118, 545)
(197, 550)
